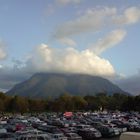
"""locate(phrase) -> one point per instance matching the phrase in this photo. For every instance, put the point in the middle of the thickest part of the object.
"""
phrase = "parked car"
(10, 128)
(73, 136)
(72, 129)
(117, 131)
(35, 137)
(2, 129)
(7, 136)
(59, 136)
(106, 131)
(89, 135)
(123, 127)
(49, 129)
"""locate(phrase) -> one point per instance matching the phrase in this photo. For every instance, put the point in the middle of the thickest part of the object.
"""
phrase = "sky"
(95, 37)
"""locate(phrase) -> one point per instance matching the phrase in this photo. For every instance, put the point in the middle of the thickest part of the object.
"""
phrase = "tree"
(79, 103)
(18, 104)
(2, 107)
(37, 105)
(137, 103)
(92, 103)
(63, 103)
(102, 98)
(2, 101)
(128, 104)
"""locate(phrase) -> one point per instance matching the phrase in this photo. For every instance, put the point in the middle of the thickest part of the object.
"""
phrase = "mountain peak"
(42, 85)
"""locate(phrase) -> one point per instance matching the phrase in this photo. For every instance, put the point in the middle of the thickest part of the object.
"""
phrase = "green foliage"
(37, 105)
(67, 102)
(92, 103)
(79, 103)
(1, 105)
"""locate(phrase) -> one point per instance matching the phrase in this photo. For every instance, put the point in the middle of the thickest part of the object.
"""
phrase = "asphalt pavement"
(114, 138)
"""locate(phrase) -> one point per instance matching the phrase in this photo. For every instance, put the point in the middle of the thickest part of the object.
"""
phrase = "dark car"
(89, 135)
(7, 136)
(10, 128)
(123, 125)
(106, 131)
(49, 129)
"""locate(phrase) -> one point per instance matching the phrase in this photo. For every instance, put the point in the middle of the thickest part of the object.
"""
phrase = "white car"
(35, 137)
(73, 136)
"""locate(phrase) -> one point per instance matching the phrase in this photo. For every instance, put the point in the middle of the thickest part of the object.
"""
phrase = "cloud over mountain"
(88, 60)
(69, 60)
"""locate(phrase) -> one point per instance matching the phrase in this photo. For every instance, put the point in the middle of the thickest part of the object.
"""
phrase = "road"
(114, 138)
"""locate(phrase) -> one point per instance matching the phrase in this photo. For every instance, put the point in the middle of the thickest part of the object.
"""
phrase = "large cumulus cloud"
(69, 60)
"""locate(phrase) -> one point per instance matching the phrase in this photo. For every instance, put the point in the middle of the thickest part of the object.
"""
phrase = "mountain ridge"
(42, 85)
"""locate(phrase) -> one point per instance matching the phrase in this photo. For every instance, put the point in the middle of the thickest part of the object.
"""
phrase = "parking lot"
(68, 125)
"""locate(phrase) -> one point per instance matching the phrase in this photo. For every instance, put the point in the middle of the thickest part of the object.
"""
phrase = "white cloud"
(94, 20)
(67, 42)
(91, 21)
(3, 53)
(66, 2)
(129, 16)
(70, 60)
(108, 41)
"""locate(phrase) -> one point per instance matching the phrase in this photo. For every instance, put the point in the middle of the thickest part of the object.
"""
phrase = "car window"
(40, 138)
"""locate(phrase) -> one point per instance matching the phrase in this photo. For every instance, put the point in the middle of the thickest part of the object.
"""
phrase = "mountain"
(43, 85)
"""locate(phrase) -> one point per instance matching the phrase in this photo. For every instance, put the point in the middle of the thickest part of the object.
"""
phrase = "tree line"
(67, 102)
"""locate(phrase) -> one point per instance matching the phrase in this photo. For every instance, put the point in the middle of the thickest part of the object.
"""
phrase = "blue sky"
(96, 37)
